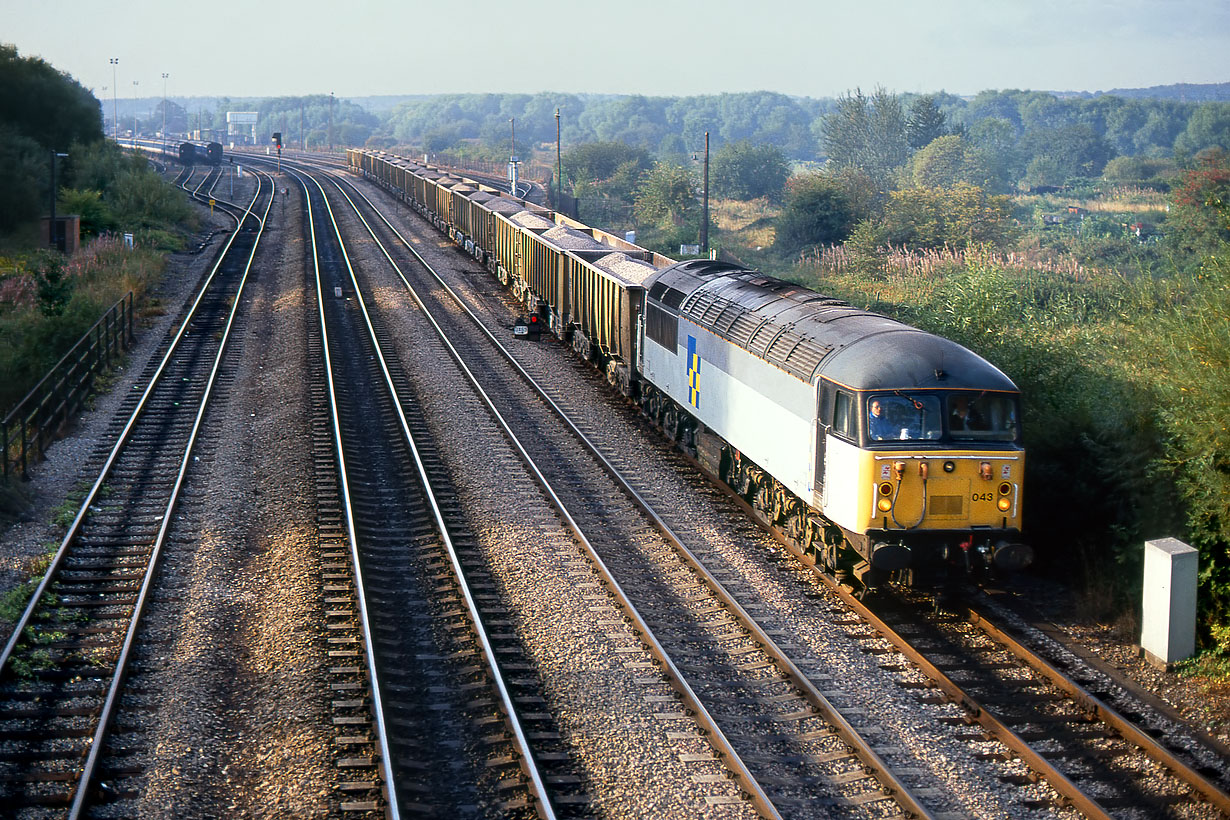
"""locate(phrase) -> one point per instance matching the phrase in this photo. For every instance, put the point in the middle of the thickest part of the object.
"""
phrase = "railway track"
(1100, 762)
(63, 669)
(790, 719)
(434, 669)
(1186, 793)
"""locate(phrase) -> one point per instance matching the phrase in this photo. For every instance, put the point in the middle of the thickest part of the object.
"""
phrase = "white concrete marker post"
(1168, 620)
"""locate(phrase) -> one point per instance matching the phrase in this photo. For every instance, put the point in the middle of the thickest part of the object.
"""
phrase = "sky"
(812, 48)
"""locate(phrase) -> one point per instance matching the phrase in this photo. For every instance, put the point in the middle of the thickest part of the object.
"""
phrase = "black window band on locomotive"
(956, 416)
(661, 326)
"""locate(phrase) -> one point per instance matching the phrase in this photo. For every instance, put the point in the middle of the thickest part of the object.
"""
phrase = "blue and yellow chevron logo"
(693, 373)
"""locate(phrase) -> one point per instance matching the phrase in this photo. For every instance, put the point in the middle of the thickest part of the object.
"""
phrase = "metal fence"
(33, 424)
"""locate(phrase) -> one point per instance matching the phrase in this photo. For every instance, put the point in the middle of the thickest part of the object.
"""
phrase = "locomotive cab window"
(982, 417)
(904, 417)
(843, 416)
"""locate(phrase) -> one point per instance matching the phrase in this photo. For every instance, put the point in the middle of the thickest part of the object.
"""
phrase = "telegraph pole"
(164, 111)
(559, 179)
(704, 224)
(115, 116)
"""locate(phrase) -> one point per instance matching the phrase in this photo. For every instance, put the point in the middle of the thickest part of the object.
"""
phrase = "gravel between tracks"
(234, 697)
(249, 592)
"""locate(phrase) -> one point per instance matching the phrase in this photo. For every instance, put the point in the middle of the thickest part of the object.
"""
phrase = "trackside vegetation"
(49, 300)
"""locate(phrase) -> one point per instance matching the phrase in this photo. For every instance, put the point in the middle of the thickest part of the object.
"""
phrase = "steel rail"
(74, 528)
(546, 809)
(1093, 706)
(993, 726)
(121, 667)
(759, 799)
(382, 741)
(889, 781)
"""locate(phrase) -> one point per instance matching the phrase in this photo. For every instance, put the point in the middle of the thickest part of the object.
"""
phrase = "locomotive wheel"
(670, 423)
(795, 528)
(764, 499)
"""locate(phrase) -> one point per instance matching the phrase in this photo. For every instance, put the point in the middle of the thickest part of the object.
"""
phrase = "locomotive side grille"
(743, 327)
(944, 506)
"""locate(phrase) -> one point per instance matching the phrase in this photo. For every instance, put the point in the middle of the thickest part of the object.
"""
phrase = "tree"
(666, 197)
(948, 160)
(176, 117)
(1200, 203)
(23, 178)
(1209, 126)
(996, 141)
(945, 217)
(868, 134)
(817, 212)
(1138, 170)
(597, 161)
(741, 170)
(925, 123)
(1058, 154)
(44, 104)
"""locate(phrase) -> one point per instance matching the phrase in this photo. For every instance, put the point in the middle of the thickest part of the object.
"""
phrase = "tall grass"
(32, 337)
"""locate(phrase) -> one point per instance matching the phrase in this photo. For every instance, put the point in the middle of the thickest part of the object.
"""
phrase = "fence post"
(24, 443)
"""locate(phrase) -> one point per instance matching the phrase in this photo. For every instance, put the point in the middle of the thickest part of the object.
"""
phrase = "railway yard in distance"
(413, 561)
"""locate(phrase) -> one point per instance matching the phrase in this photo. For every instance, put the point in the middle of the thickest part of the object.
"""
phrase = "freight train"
(885, 453)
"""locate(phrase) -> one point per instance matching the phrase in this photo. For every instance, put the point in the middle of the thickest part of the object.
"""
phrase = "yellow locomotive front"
(937, 480)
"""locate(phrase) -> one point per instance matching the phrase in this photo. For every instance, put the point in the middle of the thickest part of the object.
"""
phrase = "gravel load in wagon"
(531, 220)
(570, 239)
(504, 205)
(483, 197)
(624, 268)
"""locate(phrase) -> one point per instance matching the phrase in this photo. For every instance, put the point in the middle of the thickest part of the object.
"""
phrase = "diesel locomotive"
(883, 452)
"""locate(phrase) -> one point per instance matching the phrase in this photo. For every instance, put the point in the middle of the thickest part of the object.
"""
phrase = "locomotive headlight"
(1004, 504)
(1005, 488)
(885, 504)
(885, 488)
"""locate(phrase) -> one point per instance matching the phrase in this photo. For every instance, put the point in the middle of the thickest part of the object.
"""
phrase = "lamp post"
(512, 158)
(164, 111)
(330, 121)
(115, 116)
(135, 83)
(52, 233)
